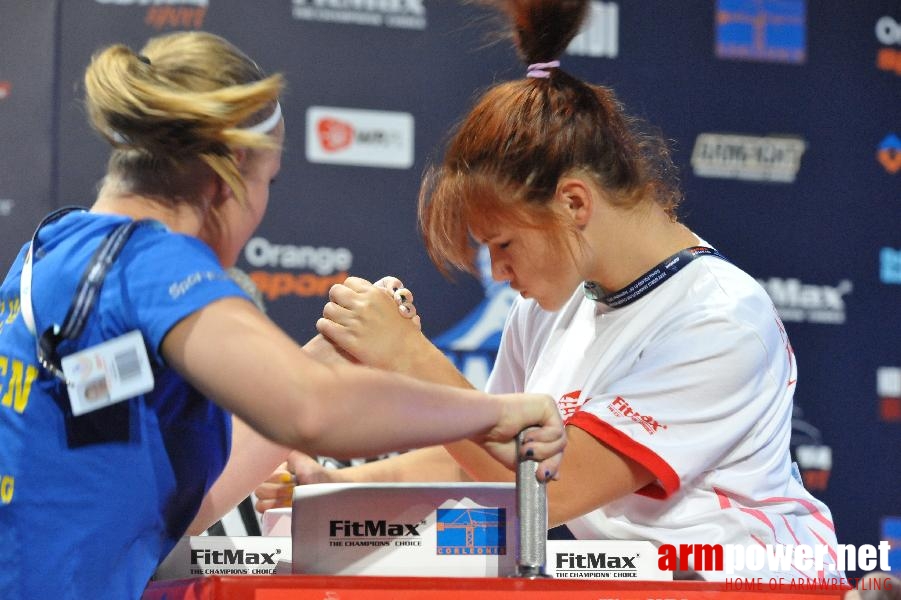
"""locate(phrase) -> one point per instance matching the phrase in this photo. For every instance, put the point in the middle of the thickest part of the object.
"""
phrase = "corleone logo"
(889, 153)
(594, 565)
(399, 14)
(472, 531)
(763, 30)
(185, 14)
(888, 388)
(373, 532)
(888, 33)
(599, 36)
(5, 89)
(366, 138)
(745, 157)
(328, 265)
(807, 303)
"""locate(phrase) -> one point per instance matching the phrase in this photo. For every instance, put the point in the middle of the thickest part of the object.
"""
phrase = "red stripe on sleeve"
(667, 481)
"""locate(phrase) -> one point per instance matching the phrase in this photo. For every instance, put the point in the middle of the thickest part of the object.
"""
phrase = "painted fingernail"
(403, 298)
(547, 475)
(530, 453)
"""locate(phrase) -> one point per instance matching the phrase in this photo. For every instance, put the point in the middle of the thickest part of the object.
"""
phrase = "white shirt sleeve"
(690, 401)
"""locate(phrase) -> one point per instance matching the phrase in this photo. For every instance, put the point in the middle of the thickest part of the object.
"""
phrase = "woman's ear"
(576, 198)
(240, 155)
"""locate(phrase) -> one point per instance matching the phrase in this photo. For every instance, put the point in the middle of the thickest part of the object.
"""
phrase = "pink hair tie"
(537, 70)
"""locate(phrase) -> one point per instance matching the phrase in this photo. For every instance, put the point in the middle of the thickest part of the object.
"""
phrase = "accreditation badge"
(107, 373)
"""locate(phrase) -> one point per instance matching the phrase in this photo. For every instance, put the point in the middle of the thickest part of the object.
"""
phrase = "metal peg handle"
(531, 509)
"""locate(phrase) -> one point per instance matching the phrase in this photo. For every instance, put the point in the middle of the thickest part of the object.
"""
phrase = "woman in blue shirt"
(125, 346)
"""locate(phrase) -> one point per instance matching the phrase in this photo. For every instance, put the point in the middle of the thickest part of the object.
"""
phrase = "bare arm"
(252, 459)
(425, 465)
(244, 362)
(366, 326)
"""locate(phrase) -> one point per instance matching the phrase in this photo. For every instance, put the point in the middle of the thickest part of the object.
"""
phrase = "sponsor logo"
(888, 33)
(6, 89)
(599, 36)
(398, 14)
(212, 555)
(749, 158)
(569, 404)
(762, 30)
(168, 14)
(889, 153)
(888, 388)
(799, 302)
(621, 408)
(374, 533)
(471, 531)
(232, 557)
(328, 265)
(366, 138)
(890, 265)
(594, 565)
(779, 558)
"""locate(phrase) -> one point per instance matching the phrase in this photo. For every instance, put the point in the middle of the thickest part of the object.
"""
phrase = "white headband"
(263, 127)
(269, 124)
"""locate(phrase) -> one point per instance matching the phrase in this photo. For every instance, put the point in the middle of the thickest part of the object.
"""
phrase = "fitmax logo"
(802, 302)
(371, 528)
(593, 560)
(232, 557)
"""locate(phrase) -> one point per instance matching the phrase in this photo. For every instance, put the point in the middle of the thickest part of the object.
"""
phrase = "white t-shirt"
(694, 381)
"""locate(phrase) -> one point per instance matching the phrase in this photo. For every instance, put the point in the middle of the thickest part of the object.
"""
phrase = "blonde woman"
(127, 347)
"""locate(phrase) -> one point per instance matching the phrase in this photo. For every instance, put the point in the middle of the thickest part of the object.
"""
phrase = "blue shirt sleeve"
(169, 276)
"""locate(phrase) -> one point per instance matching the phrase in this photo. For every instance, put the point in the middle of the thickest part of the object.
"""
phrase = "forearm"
(251, 460)
(427, 464)
(408, 413)
(477, 464)
(425, 361)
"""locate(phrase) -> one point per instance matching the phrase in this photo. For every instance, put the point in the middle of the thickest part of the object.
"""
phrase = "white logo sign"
(400, 14)
(802, 302)
(323, 260)
(600, 33)
(888, 382)
(366, 138)
(729, 156)
(888, 31)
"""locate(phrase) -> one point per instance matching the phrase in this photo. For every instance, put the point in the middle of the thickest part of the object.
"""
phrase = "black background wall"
(784, 116)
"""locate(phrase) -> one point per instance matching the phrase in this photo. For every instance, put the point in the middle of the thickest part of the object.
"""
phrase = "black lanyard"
(650, 280)
(86, 293)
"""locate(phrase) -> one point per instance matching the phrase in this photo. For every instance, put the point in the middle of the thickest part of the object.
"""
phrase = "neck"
(180, 217)
(631, 242)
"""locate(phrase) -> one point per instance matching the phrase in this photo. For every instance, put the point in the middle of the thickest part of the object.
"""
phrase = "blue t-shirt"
(89, 505)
